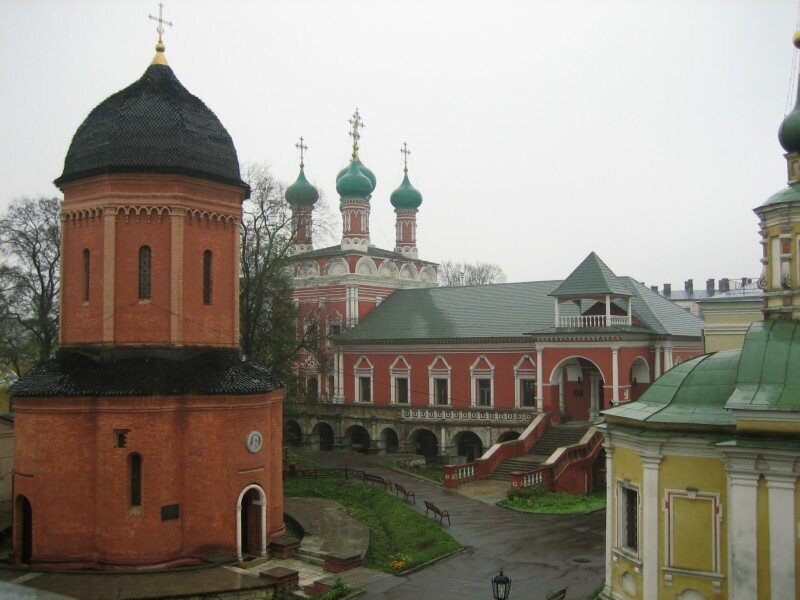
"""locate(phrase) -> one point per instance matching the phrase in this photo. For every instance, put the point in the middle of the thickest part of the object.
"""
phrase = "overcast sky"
(539, 130)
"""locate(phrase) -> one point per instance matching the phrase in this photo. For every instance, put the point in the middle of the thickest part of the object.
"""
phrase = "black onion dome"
(153, 126)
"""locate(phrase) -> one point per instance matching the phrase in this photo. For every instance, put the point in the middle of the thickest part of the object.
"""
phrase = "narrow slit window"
(86, 264)
(135, 470)
(208, 278)
(145, 272)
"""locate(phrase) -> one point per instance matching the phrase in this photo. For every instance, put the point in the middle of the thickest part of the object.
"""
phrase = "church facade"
(148, 441)
(405, 365)
(703, 500)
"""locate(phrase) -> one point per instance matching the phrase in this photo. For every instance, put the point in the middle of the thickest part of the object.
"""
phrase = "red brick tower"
(406, 201)
(148, 440)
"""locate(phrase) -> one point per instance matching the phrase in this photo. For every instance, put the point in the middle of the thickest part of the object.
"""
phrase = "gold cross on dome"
(405, 151)
(301, 146)
(161, 21)
(356, 123)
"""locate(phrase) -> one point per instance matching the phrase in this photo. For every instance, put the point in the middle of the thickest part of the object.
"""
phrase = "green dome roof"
(354, 183)
(361, 167)
(301, 192)
(790, 193)
(406, 196)
(789, 131)
(691, 393)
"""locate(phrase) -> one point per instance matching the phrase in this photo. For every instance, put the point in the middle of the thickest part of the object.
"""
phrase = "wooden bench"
(429, 506)
(373, 479)
(405, 491)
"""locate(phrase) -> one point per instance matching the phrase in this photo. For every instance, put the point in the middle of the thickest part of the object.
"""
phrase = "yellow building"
(727, 317)
(703, 500)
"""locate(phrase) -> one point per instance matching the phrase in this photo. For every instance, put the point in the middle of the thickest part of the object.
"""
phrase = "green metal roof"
(787, 194)
(406, 196)
(693, 392)
(769, 370)
(301, 192)
(591, 278)
(506, 310)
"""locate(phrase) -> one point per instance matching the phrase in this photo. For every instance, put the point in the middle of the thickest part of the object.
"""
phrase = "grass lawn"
(396, 530)
(538, 499)
(433, 473)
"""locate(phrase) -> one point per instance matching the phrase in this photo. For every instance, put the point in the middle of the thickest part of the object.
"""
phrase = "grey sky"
(539, 130)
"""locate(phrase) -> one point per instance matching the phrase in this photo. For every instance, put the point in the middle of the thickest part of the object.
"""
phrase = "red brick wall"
(81, 321)
(193, 453)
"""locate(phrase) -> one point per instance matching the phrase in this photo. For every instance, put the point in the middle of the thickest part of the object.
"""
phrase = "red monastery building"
(148, 441)
(449, 372)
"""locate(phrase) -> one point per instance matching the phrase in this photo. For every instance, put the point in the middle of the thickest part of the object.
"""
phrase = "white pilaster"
(608, 310)
(667, 357)
(651, 515)
(742, 527)
(781, 535)
(539, 382)
(611, 511)
(594, 391)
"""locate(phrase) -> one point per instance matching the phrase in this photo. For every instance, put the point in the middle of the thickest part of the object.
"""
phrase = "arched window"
(135, 474)
(208, 281)
(145, 261)
(85, 274)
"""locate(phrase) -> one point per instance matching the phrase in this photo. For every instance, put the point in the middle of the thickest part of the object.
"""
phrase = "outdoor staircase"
(555, 436)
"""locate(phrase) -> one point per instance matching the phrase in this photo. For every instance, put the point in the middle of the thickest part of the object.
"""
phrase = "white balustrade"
(591, 320)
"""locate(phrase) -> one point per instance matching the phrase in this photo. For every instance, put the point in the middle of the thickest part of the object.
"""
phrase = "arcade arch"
(425, 442)
(324, 433)
(579, 384)
(357, 439)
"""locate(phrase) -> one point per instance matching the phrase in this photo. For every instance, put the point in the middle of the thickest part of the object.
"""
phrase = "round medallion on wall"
(254, 441)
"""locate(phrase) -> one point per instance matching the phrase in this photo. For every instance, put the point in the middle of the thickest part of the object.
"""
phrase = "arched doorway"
(468, 445)
(358, 439)
(391, 443)
(251, 522)
(23, 529)
(639, 377)
(508, 436)
(325, 434)
(579, 385)
(426, 443)
(292, 434)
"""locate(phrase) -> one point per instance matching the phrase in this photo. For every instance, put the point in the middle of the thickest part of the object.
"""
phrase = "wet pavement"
(540, 553)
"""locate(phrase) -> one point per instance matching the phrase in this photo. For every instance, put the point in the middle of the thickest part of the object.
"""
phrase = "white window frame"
(527, 374)
(440, 373)
(476, 373)
(622, 519)
(359, 371)
(399, 369)
(669, 522)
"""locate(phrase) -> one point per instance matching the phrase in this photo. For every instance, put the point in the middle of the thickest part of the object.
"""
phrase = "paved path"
(540, 553)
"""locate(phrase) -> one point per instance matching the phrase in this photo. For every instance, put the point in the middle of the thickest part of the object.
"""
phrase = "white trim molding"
(481, 373)
(399, 369)
(262, 501)
(434, 373)
(361, 371)
(524, 373)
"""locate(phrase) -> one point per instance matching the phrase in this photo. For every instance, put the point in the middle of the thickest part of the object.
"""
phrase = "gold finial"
(405, 151)
(301, 146)
(356, 123)
(796, 39)
(159, 58)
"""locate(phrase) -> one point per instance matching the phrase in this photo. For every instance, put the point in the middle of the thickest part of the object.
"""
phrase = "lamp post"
(501, 586)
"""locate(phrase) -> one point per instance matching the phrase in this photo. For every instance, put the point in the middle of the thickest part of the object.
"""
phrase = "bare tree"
(452, 273)
(30, 241)
(268, 315)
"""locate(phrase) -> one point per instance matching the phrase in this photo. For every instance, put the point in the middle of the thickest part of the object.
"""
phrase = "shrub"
(340, 589)
(526, 493)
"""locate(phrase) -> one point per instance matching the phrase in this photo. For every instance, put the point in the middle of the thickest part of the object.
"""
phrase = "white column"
(658, 361)
(667, 357)
(742, 540)
(608, 310)
(263, 505)
(556, 310)
(611, 512)
(630, 312)
(562, 377)
(781, 535)
(615, 375)
(539, 382)
(340, 379)
(651, 514)
(594, 382)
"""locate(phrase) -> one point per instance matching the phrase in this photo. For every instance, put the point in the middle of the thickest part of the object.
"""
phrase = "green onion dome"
(354, 183)
(361, 167)
(301, 192)
(789, 132)
(406, 196)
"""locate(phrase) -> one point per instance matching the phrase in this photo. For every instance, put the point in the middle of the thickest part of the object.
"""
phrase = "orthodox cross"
(405, 151)
(356, 122)
(161, 21)
(301, 146)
